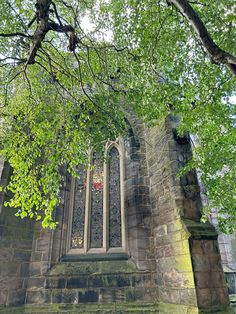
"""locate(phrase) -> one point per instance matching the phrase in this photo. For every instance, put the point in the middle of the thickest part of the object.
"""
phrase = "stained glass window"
(96, 212)
(114, 199)
(89, 229)
(77, 232)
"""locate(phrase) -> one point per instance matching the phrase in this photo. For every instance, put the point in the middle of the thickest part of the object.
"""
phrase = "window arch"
(96, 209)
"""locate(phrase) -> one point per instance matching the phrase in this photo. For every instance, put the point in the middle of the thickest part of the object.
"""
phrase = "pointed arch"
(97, 197)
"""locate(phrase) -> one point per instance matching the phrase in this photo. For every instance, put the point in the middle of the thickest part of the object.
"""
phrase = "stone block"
(10, 283)
(55, 283)
(22, 244)
(174, 296)
(164, 251)
(109, 281)
(183, 263)
(141, 294)
(175, 226)
(188, 297)
(9, 269)
(202, 279)
(3, 297)
(164, 295)
(201, 262)
(56, 296)
(35, 268)
(43, 243)
(22, 255)
(215, 262)
(18, 234)
(219, 296)
(160, 231)
(143, 280)
(45, 255)
(217, 279)
(35, 297)
(111, 295)
(173, 278)
(165, 264)
(204, 297)
(143, 242)
(5, 254)
(69, 296)
(208, 246)
(24, 269)
(36, 256)
(181, 247)
(16, 297)
(77, 282)
(36, 282)
(88, 296)
(146, 264)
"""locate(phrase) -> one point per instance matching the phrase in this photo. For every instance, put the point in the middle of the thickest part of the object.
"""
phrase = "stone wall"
(137, 197)
(53, 281)
(174, 275)
(15, 252)
(170, 253)
(176, 212)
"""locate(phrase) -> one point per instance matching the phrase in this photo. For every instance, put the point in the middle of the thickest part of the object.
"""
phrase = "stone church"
(129, 238)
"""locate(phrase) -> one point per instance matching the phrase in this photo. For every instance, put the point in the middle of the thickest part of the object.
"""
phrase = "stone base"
(127, 308)
(112, 308)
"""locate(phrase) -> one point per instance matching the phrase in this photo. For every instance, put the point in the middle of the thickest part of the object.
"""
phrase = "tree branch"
(43, 26)
(15, 34)
(215, 53)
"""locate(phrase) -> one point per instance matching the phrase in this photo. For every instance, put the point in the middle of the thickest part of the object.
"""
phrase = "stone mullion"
(122, 198)
(71, 206)
(87, 211)
(105, 205)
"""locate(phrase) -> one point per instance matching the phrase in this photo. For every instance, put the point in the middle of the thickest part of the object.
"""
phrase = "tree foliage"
(62, 88)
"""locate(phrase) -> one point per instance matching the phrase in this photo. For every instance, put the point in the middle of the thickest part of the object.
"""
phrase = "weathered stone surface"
(6, 254)
(36, 282)
(10, 283)
(3, 297)
(79, 282)
(9, 269)
(172, 257)
(57, 283)
(111, 295)
(88, 296)
(70, 296)
(22, 255)
(16, 297)
(35, 297)
(24, 269)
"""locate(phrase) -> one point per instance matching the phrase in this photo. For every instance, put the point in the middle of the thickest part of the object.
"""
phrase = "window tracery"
(97, 217)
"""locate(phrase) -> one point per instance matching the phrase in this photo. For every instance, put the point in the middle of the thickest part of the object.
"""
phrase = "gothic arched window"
(97, 217)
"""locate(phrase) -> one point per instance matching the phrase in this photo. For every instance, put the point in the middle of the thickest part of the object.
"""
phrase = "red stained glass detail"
(97, 185)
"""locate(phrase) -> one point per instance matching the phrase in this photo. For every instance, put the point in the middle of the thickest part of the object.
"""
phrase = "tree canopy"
(62, 85)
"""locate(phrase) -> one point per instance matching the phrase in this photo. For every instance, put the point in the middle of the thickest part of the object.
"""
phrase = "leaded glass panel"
(96, 213)
(77, 232)
(114, 199)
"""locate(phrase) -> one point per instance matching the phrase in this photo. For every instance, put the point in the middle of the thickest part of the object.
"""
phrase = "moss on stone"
(79, 268)
(197, 228)
(183, 263)
(116, 308)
